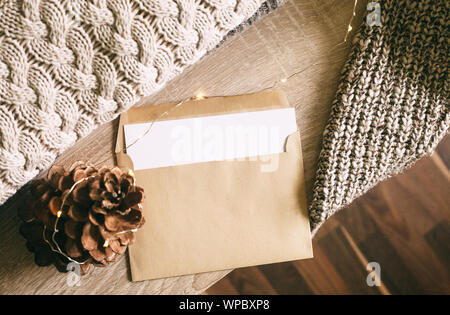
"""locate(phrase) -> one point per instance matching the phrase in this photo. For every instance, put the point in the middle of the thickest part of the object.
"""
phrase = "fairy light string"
(167, 112)
(58, 216)
(350, 27)
(54, 246)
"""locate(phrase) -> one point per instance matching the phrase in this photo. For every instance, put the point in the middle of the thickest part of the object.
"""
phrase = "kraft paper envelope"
(222, 214)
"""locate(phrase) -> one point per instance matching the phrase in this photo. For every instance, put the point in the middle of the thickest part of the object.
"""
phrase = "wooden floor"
(403, 224)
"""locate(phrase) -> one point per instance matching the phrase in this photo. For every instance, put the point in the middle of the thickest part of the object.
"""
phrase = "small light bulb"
(131, 173)
(283, 80)
(199, 96)
(59, 213)
(106, 244)
(350, 28)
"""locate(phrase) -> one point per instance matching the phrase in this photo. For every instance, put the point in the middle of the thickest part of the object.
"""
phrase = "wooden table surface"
(302, 34)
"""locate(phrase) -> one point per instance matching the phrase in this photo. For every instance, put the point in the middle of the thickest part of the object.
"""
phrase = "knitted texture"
(391, 107)
(266, 7)
(68, 66)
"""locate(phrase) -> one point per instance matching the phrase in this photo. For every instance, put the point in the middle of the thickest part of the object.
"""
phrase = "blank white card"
(210, 138)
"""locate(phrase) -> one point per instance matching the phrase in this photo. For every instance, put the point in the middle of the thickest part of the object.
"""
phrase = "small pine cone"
(100, 212)
(117, 201)
(114, 215)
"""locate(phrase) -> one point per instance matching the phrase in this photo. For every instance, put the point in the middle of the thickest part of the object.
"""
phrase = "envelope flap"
(123, 160)
(209, 106)
(196, 108)
(293, 143)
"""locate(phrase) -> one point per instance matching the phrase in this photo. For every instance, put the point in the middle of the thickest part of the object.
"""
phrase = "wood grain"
(302, 34)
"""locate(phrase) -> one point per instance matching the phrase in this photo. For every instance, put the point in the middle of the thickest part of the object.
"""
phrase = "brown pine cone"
(99, 212)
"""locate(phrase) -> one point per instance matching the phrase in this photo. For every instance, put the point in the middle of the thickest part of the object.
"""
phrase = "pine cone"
(99, 213)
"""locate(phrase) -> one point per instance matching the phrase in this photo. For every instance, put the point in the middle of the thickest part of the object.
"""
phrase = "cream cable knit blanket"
(69, 66)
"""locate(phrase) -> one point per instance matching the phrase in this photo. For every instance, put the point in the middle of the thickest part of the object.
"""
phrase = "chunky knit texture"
(266, 7)
(391, 107)
(68, 66)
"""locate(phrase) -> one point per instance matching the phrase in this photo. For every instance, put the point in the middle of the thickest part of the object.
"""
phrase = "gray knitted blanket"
(391, 107)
